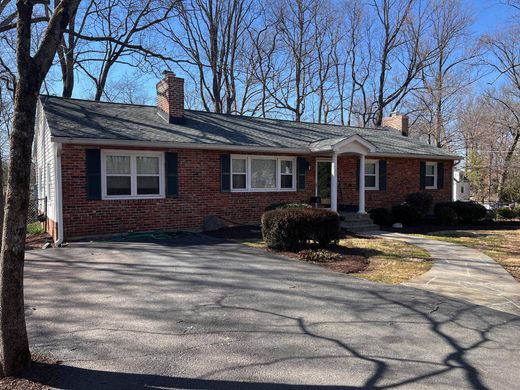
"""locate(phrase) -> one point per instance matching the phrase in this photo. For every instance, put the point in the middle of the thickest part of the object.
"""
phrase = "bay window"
(261, 173)
(132, 174)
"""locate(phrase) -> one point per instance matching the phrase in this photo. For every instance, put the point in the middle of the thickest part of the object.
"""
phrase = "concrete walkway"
(464, 273)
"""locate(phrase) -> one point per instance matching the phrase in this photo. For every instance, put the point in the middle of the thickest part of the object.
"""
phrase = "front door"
(323, 176)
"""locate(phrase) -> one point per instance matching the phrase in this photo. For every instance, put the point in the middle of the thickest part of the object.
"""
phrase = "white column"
(334, 183)
(362, 185)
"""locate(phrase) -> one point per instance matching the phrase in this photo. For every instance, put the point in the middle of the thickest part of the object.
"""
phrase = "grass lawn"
(384, 260)
(501, 245)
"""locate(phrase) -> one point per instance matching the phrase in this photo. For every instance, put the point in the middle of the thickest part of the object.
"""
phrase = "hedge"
(422, 201)
(381, 216)
(467, 212)
(406, 214)
(293, 229)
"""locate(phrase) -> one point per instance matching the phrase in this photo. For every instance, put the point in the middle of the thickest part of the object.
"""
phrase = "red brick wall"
(403, 178)
(199, 195)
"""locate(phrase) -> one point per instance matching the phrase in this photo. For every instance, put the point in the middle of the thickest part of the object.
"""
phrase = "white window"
(132, 174)
(430, 177)
(262, 173)
(371, 174)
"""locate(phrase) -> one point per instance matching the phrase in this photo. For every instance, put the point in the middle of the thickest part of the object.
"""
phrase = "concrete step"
(360, 228)
(354, 216)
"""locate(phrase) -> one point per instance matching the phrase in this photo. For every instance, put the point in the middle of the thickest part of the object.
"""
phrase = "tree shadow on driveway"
(217, 315)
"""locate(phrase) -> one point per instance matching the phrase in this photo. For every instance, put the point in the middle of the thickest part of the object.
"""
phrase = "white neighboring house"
(461, 185)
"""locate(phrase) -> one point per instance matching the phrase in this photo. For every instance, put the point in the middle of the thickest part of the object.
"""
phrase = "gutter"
(59, 193)
(237, 148)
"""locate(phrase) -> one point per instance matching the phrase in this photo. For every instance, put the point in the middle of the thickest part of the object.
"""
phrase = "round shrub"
(292, 205)
(446, 216)
(381, 216)
(292, 229)
(406, 214)
(422, 201)
(506, 213)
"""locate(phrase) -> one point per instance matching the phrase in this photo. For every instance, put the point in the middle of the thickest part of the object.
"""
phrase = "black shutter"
(358, 169)
(440, 175)
(382, 175)
(172, 174)
(422, 172)
(225, 172)
(301, 170)
(93, 170)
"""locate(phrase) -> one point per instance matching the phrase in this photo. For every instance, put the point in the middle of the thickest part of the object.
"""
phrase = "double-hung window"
(262, 173)
(132, 174)
(430, 177)
(371, 174)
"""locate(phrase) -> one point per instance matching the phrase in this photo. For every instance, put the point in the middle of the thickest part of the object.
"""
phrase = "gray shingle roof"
(83, 119)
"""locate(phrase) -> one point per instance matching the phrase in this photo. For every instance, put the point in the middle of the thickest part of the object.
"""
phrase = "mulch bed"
(36, 241)
(34, 378)
(349, 265)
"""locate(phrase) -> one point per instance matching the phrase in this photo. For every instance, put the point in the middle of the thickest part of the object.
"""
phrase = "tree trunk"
(13, 335)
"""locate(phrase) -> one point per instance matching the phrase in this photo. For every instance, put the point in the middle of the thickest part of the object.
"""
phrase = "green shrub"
(291, 205)
(34, 228)
(319, 255)
(506, 213)
(292, 229)
(422, 201)
(446, 216)
(405, 213)
(467, 212)
(381, 216)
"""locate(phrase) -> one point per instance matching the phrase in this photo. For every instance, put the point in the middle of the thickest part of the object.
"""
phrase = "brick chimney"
(170, 98)
(397, 122)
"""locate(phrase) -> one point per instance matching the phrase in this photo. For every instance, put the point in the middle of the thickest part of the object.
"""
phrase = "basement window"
(129, 175)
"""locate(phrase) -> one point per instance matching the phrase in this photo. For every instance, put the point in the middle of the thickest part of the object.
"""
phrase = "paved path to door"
(464, 273)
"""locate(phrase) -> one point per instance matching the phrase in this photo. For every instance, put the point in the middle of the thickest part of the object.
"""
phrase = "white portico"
(353, 145)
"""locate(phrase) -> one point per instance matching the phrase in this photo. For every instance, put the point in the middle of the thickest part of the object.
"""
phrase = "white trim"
(133, 174)
(376, 163)
(334, 183)
(236, 148)
(58, 197)
(435, 175)
(278, 159)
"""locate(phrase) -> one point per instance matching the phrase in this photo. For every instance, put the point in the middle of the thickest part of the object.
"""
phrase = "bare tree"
(210, 34)
(31, 71)
(121, 35)
(445, 80)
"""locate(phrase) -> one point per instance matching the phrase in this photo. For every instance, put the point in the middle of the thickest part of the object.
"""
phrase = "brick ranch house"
(111, 168)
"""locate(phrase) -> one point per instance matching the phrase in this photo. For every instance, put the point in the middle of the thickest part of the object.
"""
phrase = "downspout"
(453, 183)
(59, 203)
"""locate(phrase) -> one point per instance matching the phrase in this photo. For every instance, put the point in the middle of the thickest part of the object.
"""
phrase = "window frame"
(376, 174)
(278, 160)
(435, 175)
(133, 154)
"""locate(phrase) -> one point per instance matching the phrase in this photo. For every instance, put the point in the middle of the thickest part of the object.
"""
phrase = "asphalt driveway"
(197, 313)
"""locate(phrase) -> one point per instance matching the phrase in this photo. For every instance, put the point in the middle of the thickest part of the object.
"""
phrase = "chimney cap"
(168, 72)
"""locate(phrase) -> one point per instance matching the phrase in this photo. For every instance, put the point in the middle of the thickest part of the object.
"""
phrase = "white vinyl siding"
(44, 160)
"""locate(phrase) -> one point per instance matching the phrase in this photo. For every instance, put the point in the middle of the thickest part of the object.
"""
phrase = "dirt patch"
(36, 241)
(34, 378)
(348, 265)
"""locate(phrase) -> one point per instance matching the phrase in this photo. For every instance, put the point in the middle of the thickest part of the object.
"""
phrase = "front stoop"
(354, 222)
